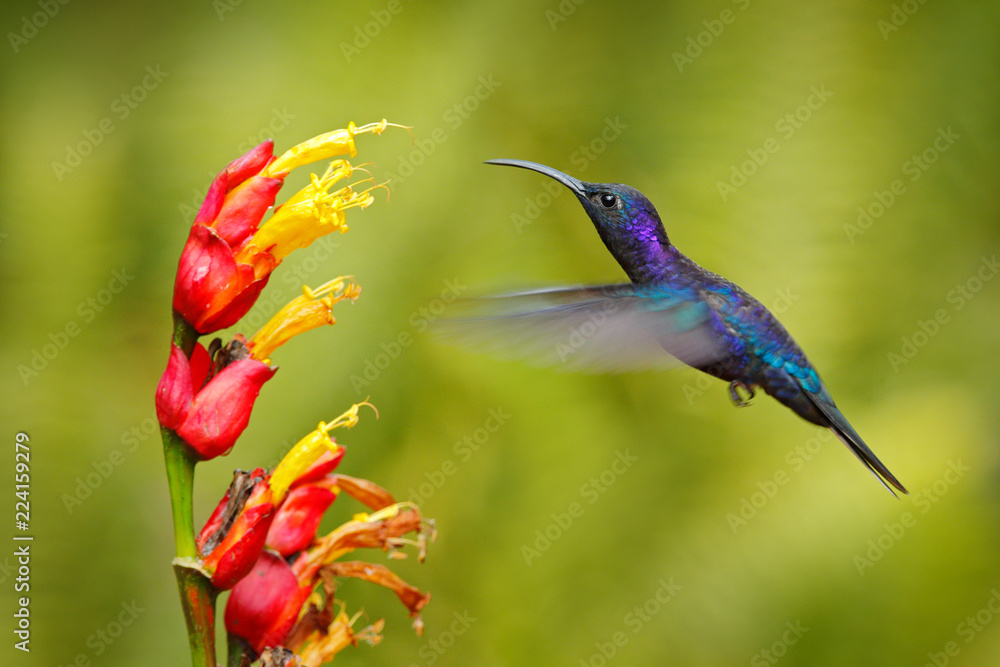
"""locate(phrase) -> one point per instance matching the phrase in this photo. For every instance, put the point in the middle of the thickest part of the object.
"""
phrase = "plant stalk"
(197, 592)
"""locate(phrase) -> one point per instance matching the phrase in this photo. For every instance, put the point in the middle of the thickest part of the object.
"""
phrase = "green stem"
(185, 335)
(180, 462)
(198, 599)
(197, 592)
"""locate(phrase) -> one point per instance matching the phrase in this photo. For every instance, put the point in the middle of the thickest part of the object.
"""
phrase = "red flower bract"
(295, 523)
(208, 416)
(212, 290)
(265, 604)
(233, 537)
(321, 467)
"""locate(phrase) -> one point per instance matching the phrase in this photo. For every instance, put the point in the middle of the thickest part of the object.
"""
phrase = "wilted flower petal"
(411, 597)
(279, 657)
(321, 647)
(366, 492)
(382, 530)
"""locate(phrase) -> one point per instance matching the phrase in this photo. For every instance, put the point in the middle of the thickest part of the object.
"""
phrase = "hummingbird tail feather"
(847, 435)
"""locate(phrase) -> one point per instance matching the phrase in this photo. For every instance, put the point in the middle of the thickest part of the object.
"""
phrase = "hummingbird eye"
(609, 201)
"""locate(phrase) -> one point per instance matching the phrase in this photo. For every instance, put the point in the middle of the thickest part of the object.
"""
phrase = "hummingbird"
(672, 311)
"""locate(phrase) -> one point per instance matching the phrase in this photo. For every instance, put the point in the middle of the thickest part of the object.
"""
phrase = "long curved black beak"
(573, 184)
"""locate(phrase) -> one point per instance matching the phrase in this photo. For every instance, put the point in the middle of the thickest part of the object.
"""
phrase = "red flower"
(229, 256)
(265, 604)
(266, 607)
(210, 415)
(233, 537)
(326, 463)
(235, 534)
(212, 291)
(295, 524)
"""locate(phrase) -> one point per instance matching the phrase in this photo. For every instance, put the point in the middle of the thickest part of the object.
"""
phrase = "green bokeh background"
(236, 73)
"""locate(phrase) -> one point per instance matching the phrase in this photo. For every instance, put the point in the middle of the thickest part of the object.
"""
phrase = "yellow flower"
(314, 211)
(337, 142)
(308, 449)
(313, 309)
(311, 213)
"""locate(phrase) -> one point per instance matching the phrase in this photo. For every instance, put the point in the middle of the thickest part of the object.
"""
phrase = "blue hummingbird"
(673, 305)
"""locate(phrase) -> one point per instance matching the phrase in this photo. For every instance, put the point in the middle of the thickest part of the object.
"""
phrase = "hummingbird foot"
(734, 393)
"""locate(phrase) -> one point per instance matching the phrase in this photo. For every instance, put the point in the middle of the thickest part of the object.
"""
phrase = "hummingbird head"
(625, 219)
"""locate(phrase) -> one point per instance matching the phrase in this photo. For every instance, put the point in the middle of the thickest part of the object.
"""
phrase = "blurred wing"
(603, 328)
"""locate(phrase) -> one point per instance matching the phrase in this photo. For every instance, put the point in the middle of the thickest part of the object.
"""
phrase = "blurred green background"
(733, 536)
